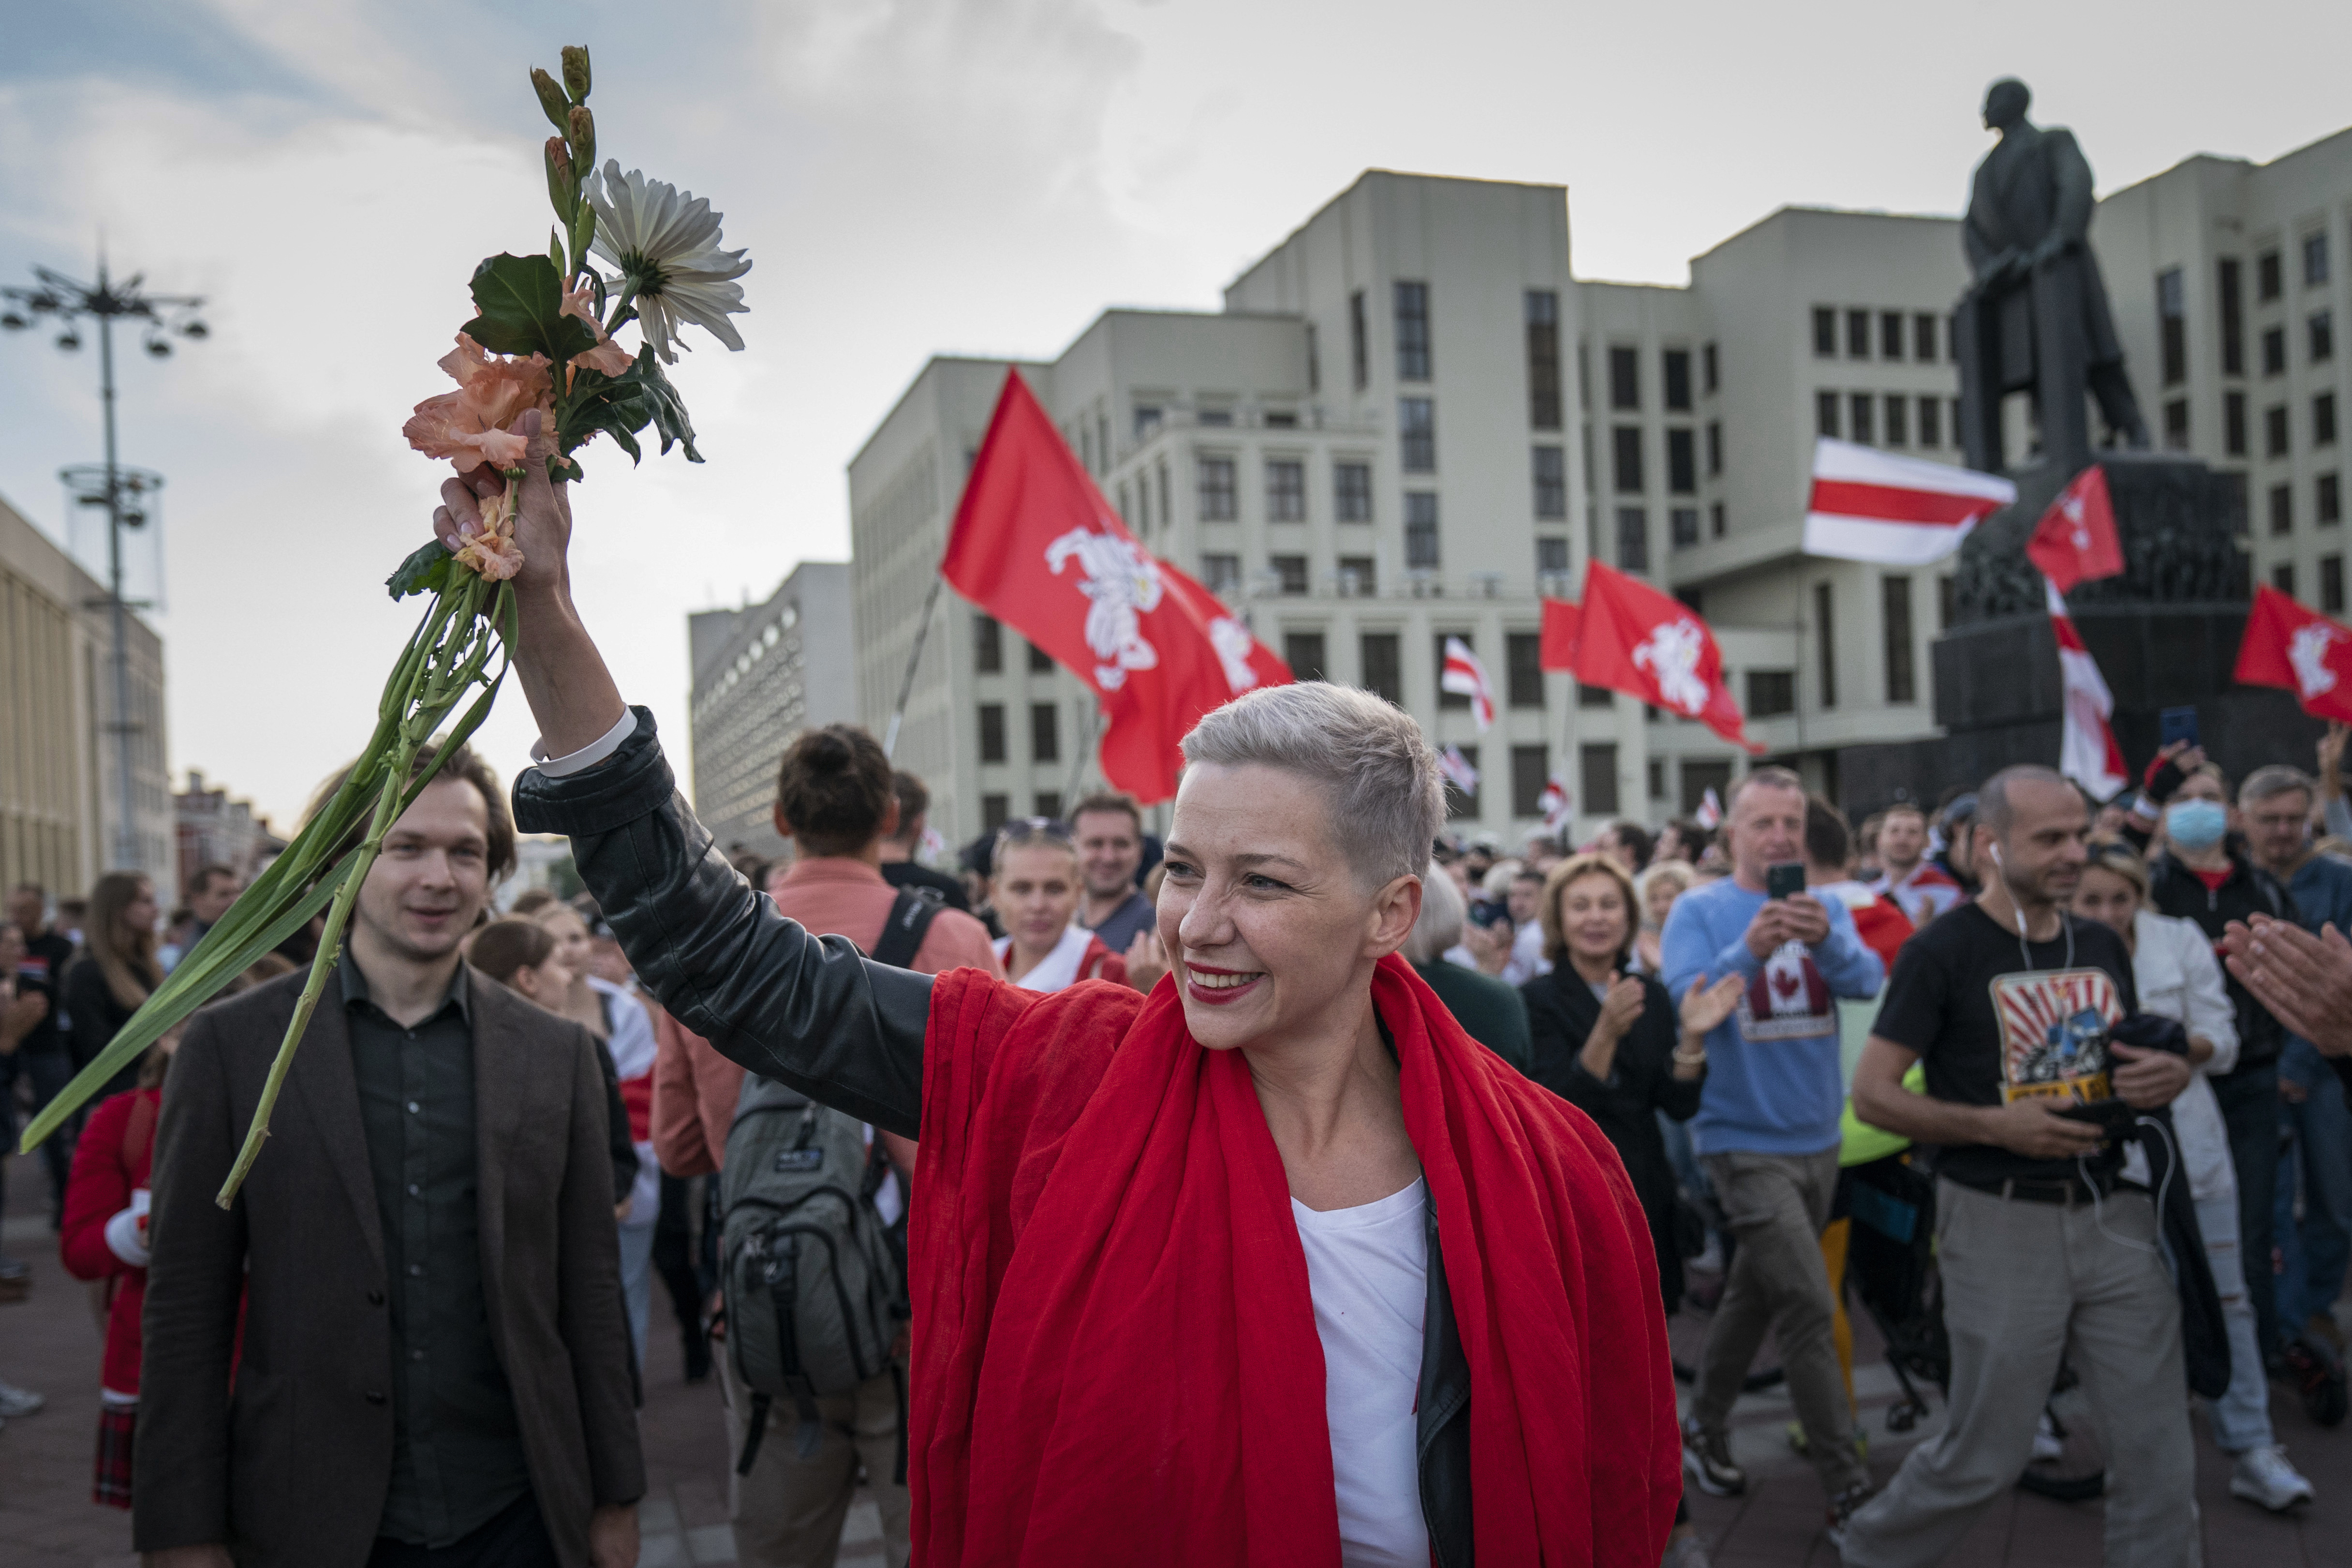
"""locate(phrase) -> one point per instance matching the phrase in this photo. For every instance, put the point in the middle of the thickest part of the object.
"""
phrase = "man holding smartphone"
(1766, 1127)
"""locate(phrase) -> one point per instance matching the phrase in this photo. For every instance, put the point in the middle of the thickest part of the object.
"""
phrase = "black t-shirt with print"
(1993, 1018)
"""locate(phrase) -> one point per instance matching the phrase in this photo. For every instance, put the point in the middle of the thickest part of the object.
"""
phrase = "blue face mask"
(2195, 824)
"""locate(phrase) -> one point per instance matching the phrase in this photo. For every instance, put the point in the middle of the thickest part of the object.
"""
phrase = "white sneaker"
(2262, 1475)
(15, 1401)
(2047, 1444)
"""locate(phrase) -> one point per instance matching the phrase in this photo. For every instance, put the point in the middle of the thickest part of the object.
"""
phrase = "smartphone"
(1487, 911)
(2177, 724)
(1784, 881)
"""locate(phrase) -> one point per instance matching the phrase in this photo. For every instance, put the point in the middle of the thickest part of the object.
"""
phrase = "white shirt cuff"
(587, 756)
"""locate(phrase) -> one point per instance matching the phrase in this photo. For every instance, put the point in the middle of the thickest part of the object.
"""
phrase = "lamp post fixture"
(64, 300)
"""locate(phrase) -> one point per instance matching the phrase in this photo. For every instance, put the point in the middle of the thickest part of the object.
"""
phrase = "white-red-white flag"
(1869, 505)
(1555, 804)
(2087, 752)
(1459, 769)
(1465, 677)
(2075, 542)
(1710, 810)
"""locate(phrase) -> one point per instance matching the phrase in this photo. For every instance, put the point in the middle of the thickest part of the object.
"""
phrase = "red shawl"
(1115, 1351)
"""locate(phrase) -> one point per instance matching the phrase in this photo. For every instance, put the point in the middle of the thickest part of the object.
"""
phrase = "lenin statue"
(2035, 319)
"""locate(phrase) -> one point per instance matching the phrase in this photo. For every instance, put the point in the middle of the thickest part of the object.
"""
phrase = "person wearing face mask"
(2204, 876)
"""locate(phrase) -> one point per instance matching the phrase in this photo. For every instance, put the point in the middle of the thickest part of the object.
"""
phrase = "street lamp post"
(67, 301)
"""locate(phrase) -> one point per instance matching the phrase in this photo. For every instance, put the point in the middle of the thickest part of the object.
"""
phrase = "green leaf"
(668, 408)
(521, 298)
(426, 570)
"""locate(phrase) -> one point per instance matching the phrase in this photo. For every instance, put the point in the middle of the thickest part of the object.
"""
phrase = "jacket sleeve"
(2209, 1010)
(96, 1193)
(1844, 960)
(589, 1314)
(810, 1012)
(196, 1278)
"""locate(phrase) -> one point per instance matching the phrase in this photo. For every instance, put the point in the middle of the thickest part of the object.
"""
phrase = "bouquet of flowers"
(542, 340)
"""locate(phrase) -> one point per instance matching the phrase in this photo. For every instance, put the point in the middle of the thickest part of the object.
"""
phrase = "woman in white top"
(1036, 891)
(2174, 970)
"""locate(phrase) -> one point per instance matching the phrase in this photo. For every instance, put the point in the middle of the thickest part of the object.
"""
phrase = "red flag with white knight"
(2075, 542)
(1562, 622)
(1035, 545)
(2303, 651)
(1636, 640)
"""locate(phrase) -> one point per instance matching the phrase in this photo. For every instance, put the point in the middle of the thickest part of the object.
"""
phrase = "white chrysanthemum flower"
(665, 244)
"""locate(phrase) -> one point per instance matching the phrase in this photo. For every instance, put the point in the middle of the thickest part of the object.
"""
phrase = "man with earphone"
(2009, 1001)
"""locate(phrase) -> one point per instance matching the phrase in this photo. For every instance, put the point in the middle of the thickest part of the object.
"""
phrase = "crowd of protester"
(1778, 1021)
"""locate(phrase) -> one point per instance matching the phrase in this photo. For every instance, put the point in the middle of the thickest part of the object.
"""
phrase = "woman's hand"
(1621, 1007)
(1705, 1006)
(1145, 961)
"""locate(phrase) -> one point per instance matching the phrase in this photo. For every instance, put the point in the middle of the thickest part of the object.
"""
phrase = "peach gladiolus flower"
(607, 356)
(489, 546)
(470, 425)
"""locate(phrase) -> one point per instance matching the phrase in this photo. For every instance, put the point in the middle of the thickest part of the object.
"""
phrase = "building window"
(1523, 668)
(1289, 572)
(1286, 490)
(2322, 332)
(2282, 509)
(1040, 661)
(1217, 419)
(1714, 447)
(1597, 777)
(1898, 420)
(2172, 318)
(1086, 446)
(1683, 524)
(1923, 337)
(1678, 380)
(2268, 277)
(1657, 778)
(1895, 605)
(1383, 668)
(1314, 359)
(2314, 259)
(1550, 482)
(1530, 776)
(1771, 694)
(1632, 539)
(1303, 651)
(1857, 334)
(1281, 419)
(1624, 378)
(2323, 419)
(1890, 334)
(2233, 317)
(2176, 424)
(1359, 577)
(2328, 500)
(1825, 414)
(1711, 370)
(1167, 516)
(1590, 697)
(1102, 440)
(1359, 359)
(2274, 350)
(1413, 331)
(1351, 492)
(1825, 641)
(1931, 423)
(2331, 584)
(1049, 805)
(1715, 520)
(1824, 332)
(1859, 408)
(995, 811)
(1543, 359)
(1461, 802)
(992, 731)
(1552, 555)
(1625, 458)
(1222, 574)
(987, 645)
(1420, 531)
(2233, 423)
(1148, 420)
(1044, 733)
(1681, 461)
(2283, 578)
(1219, 502)
(2274, 437)
(1417, 435)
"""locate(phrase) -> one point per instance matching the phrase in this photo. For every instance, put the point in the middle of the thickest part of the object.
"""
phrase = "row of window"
(1628, 476)
(2172, 313)
(1286, 490)
(1891, 335)
(2326, 504)
(1886, 419)
(1674, 377)
(2331, 582)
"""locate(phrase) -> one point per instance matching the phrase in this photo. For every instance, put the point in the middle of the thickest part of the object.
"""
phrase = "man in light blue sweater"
(1767, 1127)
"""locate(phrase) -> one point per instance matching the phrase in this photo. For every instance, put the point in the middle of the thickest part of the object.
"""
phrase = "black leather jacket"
(816, 1014)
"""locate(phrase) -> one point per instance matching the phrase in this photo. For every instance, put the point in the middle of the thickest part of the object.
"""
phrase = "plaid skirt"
(112, 1484)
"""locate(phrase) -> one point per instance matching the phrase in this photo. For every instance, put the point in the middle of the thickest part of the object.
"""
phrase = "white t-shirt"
(1368, 1271)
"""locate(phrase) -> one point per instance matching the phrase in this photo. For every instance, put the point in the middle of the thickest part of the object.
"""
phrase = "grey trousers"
(1776, 1206)
(788, 1512)
(2022, 1281)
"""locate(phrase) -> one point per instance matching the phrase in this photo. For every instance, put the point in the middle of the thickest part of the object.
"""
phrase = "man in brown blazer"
(403, 1343)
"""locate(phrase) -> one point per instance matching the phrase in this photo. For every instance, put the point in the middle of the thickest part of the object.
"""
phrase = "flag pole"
(907, 685)
(1093, 727)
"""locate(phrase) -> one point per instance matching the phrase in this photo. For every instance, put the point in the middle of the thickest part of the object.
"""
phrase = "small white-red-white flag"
(2087, 752)
(1710, 810)
(1555, 804)
(1869, 505)
(1458, 768)
(1465, 677)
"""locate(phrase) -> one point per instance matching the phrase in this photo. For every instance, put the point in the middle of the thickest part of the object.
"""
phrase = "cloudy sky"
(912, 177)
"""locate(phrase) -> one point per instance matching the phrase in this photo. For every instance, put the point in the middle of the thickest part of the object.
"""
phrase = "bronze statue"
(2035, 319)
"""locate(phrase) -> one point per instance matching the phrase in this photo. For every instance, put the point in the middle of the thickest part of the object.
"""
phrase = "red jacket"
(111, 1160)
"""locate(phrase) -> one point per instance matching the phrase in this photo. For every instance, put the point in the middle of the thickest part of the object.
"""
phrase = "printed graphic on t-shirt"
(2054, 1033)
(1788, 1000)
